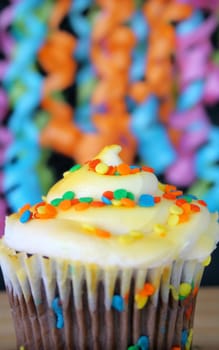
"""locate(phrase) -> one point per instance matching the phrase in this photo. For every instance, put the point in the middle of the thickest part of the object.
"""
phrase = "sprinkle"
(146, 200)
(176, 348)
(111, 170)
(161, 186)
(81, 206)
(102, 233)
(97, 204)
(183, 218)
(143, 342)
(189, 340)
(157, 199)
(136, 234)
(118, 303)
(93, 163)
(101, 168)
(74, 201)
(169, 188)
(88, 227)
(24, 208)
(147, 169)
(123, 169)
(187, 198)
(128, 202)
(159, 228)
(130, 195)
(65, 204)
(134, 170)
(120, 193)
(173, 220)
(172, 194)
(75, 168)
(26, 216)
(56, 201)
(207, 261)
(186, 208)
(184, 290)
(58, 312)
(108, 194)
(195, 208)
(140, 301)
(85, 199)
(184, 337)
(147, 290)
(44, 211)
(200, 201)
(68, 195)
(106, 200)
(116, 202)
(180, 202)
(175, 209)
(133, 347)
(126, 239)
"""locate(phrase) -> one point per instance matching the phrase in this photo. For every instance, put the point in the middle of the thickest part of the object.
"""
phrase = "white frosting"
(66, 236)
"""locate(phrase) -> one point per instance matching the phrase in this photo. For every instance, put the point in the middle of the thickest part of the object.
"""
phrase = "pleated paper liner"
(100, 308)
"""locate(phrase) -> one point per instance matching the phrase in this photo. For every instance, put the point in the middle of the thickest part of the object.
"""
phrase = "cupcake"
(110, 259)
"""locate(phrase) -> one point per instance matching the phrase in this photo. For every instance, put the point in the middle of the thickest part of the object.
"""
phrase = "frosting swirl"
(112, 214)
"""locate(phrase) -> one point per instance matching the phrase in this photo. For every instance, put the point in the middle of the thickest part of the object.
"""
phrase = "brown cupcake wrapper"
(85, 293)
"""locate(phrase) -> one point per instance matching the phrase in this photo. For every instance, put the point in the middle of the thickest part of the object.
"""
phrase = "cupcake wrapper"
(85, 316)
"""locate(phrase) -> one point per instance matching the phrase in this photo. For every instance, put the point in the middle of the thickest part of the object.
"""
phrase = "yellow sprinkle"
(126, 239)
(116, 202)
(159, 228)
(189, 340)
(173, 220)
(175, 209)
(174, 293)
(207, 261)
(101, 168)
(136, 234)
(89, 228)
(161, 186)
(140, 301)
(185, 289)
(66, 173)
(41, 209)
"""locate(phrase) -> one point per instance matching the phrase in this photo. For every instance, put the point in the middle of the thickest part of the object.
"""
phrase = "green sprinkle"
(133, 347)
(75, 167)
(188, 199)
(130, 195)
(56, 201)
(86, 199)
(120, 193)
(68, 195)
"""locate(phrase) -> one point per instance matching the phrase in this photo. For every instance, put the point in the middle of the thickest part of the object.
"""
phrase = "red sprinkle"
(157, 199)
(97, 204)
(108, 194)
(147, 168)
(200, 201)
(93, 163)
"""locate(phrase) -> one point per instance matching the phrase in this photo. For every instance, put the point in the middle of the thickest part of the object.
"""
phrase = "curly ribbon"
(24, 91)
(6, 46)
(192, 60)
(55, 57)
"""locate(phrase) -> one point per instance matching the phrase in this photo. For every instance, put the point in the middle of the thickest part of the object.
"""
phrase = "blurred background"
(78, 75)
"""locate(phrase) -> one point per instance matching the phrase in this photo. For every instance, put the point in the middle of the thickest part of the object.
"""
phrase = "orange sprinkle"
(24, 208)
(195, 291)
(172, 194)
(81, 206)
(111, 170)
(65, 204)
(74, 201)
(147, 290)
(169, 188)
(108, 194)
(180, 201)
(97, 204)
(127, 202)
(123, 169)
(186, 208)
(157, 199)
(200, 201)
(147, 168)
(102, 233)
(134, 171)
(47, 211)
(176, 348)
(183, 218)
(195, 208)
(93, 163)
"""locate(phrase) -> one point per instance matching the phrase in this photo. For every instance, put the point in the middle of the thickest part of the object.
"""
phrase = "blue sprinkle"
(118, 303)
(106, 200)
(146, 200)
(59, 314)
(143, 342)
(184, 337)
(25, 216)
(134, 167)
